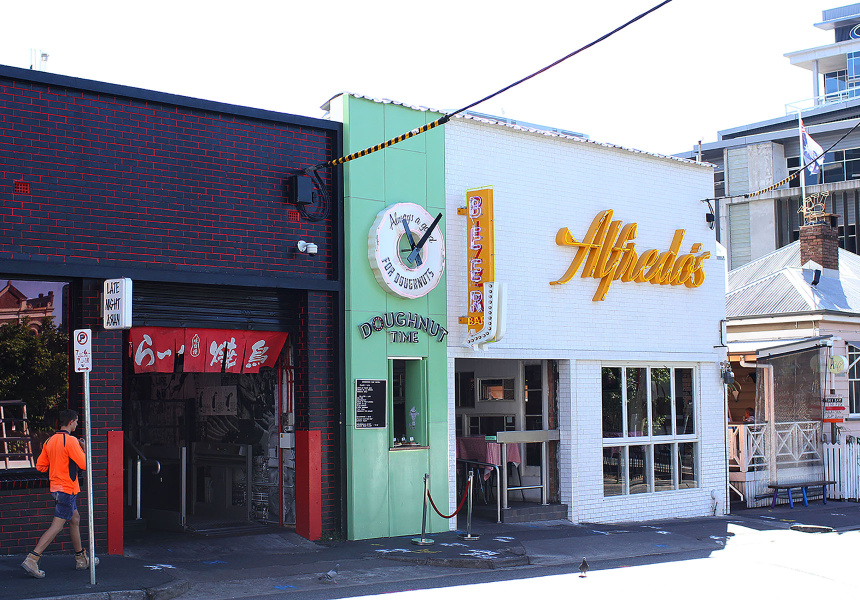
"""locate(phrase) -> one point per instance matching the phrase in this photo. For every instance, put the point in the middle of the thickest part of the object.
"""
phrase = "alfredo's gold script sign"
(609, 254)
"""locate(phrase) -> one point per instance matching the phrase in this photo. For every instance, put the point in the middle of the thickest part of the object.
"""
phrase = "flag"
(810, 152)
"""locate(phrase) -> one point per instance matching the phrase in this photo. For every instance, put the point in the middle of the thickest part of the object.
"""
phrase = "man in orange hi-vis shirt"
(62, 457)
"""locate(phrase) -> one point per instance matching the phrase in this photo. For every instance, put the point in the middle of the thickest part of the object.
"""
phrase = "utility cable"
(800, 170)
(444, 119)
(325, 210)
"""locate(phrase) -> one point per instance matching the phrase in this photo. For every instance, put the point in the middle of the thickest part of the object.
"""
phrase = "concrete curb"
(811, 528)
(168, 591)
(508, 557)
(113, 595)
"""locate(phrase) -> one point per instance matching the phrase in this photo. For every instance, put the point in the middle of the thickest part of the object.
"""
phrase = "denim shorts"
(66, 505)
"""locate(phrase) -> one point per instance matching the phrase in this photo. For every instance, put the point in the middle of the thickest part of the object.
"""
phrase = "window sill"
(400, 448)
(651, 494)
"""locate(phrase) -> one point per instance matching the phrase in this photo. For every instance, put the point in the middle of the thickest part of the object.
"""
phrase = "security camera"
(307, 247)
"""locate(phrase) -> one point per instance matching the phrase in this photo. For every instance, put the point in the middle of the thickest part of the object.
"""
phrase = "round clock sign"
(406, 250)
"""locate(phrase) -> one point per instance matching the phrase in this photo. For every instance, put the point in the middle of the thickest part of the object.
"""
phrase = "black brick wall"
(127, 182)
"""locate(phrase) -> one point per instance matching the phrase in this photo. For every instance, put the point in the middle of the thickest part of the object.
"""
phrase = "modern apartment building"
(757, 156)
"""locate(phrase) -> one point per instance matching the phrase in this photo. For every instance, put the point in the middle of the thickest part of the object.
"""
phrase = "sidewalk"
(164, 566)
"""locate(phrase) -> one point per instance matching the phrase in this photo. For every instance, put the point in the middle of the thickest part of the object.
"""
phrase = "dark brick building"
(187, 199)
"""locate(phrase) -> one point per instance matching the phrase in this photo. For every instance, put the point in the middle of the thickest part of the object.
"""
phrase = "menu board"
(370, 402)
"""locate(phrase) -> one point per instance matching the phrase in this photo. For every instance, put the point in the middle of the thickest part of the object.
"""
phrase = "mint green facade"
(385, 485)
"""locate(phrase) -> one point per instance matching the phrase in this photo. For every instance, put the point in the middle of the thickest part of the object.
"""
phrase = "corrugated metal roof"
(551, 132)
(777, 284)
(768, 296)
(555, 133)
(787, 256)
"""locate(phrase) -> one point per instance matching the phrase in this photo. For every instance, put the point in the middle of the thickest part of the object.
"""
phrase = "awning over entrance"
(752, 349)
(154, 349)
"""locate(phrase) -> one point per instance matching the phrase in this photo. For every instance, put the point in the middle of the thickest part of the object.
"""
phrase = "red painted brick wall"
(820, 243)
(127, 182)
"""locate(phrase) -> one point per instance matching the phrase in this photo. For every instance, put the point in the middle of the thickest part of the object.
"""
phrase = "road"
(750, 562)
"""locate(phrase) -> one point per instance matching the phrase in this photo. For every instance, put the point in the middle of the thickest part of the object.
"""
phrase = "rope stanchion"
(468, 535)
(462, 501)
(424, 540)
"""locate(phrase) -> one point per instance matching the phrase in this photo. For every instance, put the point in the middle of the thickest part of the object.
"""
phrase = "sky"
(675, 77)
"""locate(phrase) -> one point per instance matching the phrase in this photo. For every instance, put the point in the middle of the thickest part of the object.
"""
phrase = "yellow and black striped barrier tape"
(444, 119)
(405, 136)
(774, 186)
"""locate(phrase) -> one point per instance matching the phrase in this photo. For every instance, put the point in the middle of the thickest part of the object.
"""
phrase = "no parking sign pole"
(84, 364)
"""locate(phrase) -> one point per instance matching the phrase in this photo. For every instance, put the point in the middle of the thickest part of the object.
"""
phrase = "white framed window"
(854, 381)
(650, 436)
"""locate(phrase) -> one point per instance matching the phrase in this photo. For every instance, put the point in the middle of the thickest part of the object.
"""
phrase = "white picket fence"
(842, 464)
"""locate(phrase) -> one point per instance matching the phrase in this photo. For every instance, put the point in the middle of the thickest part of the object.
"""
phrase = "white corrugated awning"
(768, 348)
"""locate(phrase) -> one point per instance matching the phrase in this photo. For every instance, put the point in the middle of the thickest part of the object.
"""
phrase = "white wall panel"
(541, 184)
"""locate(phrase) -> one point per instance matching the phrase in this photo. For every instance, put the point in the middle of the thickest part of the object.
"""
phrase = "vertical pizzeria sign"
(485, 296)
(480, 253)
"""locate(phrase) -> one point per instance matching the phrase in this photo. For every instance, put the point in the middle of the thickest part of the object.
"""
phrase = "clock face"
(401, 263)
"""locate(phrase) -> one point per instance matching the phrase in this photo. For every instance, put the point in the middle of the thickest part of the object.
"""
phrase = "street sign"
(832, 410)
(116, 304)
(83, 350)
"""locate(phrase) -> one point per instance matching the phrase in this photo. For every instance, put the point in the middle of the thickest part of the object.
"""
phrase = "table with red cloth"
(477, 448)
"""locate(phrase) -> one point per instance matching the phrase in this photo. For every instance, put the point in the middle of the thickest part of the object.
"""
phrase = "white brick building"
(570, 348)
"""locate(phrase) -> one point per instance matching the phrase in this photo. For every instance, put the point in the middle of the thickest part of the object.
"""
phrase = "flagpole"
(802, 169)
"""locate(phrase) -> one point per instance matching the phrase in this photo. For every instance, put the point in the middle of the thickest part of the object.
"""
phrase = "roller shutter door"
(159, 304)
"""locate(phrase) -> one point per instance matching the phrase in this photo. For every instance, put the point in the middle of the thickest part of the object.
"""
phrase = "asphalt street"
(787, 548)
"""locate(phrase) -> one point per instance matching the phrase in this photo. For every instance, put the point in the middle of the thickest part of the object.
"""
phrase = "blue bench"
(803, 485)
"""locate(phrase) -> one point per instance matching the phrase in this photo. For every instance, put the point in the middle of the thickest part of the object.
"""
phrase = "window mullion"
(649, 466)
(626, 471)
(672, 405)
(676, 467)
(650, 417)
(624, 427)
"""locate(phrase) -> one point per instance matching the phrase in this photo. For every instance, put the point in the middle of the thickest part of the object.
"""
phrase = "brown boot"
(82, 560)
(31, 565)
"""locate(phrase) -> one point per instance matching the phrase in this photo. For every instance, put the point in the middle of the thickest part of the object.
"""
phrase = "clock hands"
(410, 258)
(414, 254)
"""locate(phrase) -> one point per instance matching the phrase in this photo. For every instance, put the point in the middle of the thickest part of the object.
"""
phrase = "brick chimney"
(819, 242)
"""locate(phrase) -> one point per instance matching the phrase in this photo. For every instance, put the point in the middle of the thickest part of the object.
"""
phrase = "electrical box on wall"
(300, 190)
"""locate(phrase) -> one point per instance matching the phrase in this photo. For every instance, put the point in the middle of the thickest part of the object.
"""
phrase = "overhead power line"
(800, 170)
(444, 119)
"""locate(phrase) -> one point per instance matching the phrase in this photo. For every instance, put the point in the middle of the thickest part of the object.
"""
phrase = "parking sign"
(83, 350)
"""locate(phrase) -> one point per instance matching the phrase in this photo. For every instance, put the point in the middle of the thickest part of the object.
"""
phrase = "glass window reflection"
(612, 402)
(687, 463)
(637, 402)
(613, 471)
(661, 401)
(663, 475)
(637, 467)
(684, 407)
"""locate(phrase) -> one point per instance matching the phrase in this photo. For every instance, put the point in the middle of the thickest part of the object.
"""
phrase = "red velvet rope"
(453, 514)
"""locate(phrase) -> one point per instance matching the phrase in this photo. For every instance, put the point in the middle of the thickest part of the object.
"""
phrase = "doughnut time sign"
(608, 253)
(406, 250)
